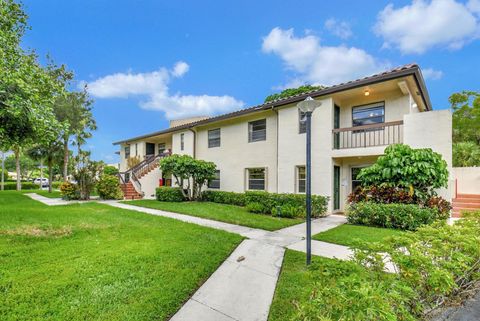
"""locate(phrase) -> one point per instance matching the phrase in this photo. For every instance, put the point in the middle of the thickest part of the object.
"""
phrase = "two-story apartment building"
(263, 147)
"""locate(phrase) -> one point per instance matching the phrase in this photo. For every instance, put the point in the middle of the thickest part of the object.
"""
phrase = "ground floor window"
(355, 181)
(256, 179)
(215, 183)
(161, 148)
(301, 179)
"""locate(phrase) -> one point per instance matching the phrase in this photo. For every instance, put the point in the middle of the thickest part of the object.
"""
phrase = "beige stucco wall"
(432, 129)
(236, 154)
(467, 180)
(188, 143)
(137, 148)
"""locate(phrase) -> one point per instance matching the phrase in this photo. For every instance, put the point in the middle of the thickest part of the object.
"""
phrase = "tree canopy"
(422, 170)
(292, 92)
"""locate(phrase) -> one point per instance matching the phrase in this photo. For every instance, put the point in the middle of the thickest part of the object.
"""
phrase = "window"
(301, 179)
(127, 152)
(161, 148)
(302, 122)
(355, 181)
(136, 150)
(368, 114)
(256, 179)
(214, 138)
(182, 141)
(257, 130)
(215, 183)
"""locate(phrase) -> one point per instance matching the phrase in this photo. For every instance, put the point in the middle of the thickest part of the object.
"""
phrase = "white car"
(43, 182)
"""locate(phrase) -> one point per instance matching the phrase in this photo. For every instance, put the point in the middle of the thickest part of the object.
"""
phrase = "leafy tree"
(110, 170)
(27, 165)
(27, 90)
(420, 170)
(86, 174)
(74, 111)
(292, 92)
(51, 154)
(190, 174)
(466, 116)
(466, 154)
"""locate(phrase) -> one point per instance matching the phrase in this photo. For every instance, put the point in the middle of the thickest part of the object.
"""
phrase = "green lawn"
(349, 235)
(94, 262)
(220, 212)
(53, 194)
(329, 289)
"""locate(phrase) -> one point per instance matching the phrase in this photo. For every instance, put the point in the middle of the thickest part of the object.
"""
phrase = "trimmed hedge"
(290, 203)
(221, 197)
(169, 194)
(9, 186)
(398, 216)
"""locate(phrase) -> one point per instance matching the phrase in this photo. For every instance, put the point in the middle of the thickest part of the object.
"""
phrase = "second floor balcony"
(373, 135)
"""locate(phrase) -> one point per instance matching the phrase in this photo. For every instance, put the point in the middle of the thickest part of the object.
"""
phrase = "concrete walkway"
(242, 288)
(55, 201)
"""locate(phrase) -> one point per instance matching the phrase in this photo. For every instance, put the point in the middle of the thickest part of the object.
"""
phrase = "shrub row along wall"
(25, 186)
(284, 205)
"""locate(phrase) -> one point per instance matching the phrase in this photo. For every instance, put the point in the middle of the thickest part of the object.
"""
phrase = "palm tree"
(50, 154)
(74, 111)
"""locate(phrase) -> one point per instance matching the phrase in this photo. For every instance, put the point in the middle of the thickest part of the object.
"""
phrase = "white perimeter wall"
(468, 179)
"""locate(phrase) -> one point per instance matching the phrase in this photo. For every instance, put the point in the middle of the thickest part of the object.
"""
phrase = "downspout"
(277, 144)
(194, 142)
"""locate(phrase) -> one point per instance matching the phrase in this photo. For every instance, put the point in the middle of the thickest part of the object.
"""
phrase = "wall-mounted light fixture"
(366, 92)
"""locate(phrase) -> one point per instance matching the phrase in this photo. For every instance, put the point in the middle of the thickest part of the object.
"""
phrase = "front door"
(336, 187)
(149, 149)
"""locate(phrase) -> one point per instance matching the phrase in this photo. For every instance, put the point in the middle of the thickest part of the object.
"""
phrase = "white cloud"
(430, 73)
(155, 86)
(180, 69)
(423, 25)
(317, 64)
(339, 28)
(474, 6)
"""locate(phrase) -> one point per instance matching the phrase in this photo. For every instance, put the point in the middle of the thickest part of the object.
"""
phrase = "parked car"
(43, 182)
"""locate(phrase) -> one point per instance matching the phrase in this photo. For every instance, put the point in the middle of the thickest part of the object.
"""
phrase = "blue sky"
(147, 61)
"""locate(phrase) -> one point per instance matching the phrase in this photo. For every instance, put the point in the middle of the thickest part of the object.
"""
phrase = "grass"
(94, 262)
(53, 194)
(350, 235)
(220, 212)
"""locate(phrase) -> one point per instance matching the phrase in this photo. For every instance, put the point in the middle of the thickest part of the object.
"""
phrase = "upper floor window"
(215, 183)
(368, 114)
(302, 122)
(256, 179)
(257, 130)
(214, 138)
(182, 141)
(127, 152)
(301, 179)
(161, 148)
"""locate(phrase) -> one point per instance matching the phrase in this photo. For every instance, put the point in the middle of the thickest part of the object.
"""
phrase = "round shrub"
(69, 191)
(256, 207)
(169, 194)
(108, 188)
(110, 170)
(399, 216)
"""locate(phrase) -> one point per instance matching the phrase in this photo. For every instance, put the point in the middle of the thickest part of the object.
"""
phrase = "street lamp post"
(307, 107)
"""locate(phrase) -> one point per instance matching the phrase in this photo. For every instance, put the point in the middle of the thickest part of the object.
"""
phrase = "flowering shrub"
(69, 191)
(108, 188)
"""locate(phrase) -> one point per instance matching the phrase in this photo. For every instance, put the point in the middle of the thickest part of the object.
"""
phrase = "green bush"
(297, 201)
(221, 197)
(169, 194)
(56, 185)
(110, 170)
(108, 188)
(288, 211)
(256, 207)
(69, 191)
(10, 186)
(399, 216)
(438, 264)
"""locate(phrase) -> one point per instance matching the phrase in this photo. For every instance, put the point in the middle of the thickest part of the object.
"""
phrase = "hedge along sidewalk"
(220, 212)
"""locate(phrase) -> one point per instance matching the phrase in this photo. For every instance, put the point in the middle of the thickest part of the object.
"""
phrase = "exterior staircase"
(465, 202)
(132, 189)
(129, 191)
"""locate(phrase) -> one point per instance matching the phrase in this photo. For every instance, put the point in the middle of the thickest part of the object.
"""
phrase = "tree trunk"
(50, 176)
(16, 151)
(65, 159)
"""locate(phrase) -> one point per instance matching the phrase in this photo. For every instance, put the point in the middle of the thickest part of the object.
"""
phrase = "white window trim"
(246, 173)
(297, 185)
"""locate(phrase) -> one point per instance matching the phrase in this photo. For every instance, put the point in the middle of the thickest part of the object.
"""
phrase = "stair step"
(466, 200)
(476, 196)
(466, 205)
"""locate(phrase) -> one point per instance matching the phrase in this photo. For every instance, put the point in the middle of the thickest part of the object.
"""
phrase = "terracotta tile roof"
(405, 70)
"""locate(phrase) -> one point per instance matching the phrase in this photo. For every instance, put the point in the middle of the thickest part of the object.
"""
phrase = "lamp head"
(308, 105)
